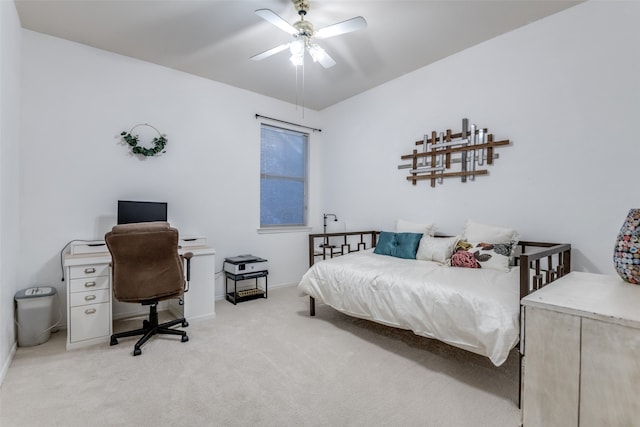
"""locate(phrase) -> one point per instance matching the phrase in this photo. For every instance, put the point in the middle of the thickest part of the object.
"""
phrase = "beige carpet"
(262, 363)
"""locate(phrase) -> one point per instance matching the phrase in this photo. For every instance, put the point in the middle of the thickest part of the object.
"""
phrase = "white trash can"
(35, 315)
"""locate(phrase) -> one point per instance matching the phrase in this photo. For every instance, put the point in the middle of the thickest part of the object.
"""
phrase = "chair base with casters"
(150, 328)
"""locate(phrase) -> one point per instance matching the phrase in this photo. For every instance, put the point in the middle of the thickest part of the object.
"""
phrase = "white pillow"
(476, 232)
(437, 249)
(403, 226)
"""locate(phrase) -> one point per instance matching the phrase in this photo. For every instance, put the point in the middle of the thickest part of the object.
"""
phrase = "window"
(283, 177)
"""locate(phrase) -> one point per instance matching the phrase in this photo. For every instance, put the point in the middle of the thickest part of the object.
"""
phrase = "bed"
(476, 309)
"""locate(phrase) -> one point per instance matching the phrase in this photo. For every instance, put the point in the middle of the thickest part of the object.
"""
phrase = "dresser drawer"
(88, 284)
(89, 297)
(89, 270)
(89, 322)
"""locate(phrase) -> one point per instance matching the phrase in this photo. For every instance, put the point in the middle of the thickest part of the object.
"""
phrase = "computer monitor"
(134, 211)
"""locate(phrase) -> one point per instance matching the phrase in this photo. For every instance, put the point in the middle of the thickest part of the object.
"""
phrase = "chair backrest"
(145, 262)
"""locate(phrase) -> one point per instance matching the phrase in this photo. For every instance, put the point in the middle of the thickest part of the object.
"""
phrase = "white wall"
(77, 100)
(564, 90)
(10, 36)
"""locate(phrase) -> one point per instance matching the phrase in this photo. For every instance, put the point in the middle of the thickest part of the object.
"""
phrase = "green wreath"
(159, 142)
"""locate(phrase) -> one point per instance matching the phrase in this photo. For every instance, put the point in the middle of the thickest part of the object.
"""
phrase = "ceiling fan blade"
(270, 16)
(343, 27)
(268, 53)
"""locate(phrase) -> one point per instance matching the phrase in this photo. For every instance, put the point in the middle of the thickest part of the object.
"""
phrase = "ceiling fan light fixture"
(296, 48)
(317, 53)
(297, 60)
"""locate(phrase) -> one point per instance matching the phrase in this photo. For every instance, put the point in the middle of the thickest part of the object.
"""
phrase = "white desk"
(581, 352)
(89, 294)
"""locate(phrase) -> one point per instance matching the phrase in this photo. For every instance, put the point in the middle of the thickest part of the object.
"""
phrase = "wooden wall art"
(468, 150)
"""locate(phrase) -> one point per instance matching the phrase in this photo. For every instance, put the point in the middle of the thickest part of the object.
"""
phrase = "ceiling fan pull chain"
(297, 86)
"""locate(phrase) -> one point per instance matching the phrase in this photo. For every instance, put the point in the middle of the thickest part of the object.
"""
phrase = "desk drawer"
(88, 284)
(89, 297)
(191, 241)
(89, 270)
(90, 321)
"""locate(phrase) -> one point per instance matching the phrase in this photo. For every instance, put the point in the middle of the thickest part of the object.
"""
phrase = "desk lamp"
(326, 239)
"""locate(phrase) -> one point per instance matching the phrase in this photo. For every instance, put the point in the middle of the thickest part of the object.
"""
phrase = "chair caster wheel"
(113, 341)
(137, 352)
(185, 324)
(185, 338)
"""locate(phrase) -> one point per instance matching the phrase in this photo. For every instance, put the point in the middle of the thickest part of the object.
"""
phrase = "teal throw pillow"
(399, 245)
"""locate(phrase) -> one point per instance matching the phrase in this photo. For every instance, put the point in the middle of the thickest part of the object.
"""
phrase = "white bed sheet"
(473, 309)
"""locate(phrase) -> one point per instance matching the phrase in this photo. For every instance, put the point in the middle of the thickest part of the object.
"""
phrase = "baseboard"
(5, 367)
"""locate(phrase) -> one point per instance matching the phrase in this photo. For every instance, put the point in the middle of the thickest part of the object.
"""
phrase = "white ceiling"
(214, 39)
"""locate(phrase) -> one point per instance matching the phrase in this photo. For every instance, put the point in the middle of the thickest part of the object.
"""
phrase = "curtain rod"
(289, 123)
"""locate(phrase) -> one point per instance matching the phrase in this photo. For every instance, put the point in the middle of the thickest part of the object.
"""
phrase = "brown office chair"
(146, 269)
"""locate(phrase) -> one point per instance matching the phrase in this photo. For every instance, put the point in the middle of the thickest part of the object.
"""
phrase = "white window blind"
(283, 177)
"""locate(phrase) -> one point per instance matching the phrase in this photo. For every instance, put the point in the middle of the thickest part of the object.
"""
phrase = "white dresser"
(582, 353)
(90, 300)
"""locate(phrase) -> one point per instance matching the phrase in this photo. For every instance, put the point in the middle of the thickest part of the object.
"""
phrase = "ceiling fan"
(304, 35)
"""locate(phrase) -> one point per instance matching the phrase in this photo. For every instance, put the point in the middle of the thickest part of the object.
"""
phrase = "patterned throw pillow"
(482, 255)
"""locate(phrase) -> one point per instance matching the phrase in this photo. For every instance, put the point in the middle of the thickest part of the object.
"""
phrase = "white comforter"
(473, 309)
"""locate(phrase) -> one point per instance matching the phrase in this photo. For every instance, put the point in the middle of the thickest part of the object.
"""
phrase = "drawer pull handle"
(90, 311)
(89, 284)
(89, 270)
(89, 297)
